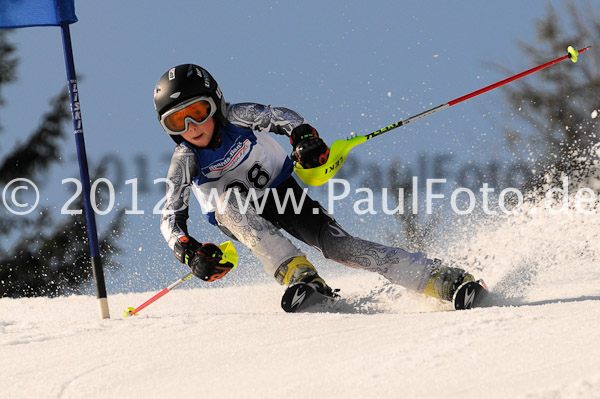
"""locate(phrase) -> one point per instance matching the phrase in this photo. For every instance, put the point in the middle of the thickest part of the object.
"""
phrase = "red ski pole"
(340, 148)
(134, 311)
(571, 53)
(229, 255)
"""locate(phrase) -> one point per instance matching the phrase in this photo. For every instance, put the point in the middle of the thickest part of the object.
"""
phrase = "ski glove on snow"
(203, 259)
(309, 149)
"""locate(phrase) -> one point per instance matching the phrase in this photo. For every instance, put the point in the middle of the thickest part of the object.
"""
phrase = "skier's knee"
(331, 236)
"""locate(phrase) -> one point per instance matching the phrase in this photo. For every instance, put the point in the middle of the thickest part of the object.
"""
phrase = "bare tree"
(560, 104)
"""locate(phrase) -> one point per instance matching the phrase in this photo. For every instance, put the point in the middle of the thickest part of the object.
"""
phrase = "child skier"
(221, 147)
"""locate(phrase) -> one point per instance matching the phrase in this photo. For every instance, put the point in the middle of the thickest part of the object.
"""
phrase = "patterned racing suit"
(249, 164)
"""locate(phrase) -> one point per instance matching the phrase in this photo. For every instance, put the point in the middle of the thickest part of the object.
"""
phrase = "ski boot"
(306, 289)
(300, 270)
(445, 280)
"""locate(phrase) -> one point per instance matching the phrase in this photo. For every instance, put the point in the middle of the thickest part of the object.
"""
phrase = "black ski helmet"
(183, 82)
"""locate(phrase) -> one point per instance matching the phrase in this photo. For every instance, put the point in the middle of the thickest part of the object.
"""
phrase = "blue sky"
(349, 66)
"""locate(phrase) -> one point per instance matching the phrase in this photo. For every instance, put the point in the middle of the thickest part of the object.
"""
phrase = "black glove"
(203, 259)
(309, 149)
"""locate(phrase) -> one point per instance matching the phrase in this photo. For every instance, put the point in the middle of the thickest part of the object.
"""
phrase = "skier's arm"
(309, 149)
(203, 259)
(264, 118)
(179, 182)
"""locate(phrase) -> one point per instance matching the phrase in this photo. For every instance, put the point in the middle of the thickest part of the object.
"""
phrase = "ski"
(301, 297)
(469, 295)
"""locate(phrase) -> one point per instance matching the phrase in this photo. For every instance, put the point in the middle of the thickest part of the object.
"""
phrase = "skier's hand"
(309, 149)
(204, 259)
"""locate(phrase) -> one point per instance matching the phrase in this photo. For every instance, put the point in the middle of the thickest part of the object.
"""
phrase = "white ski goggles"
(198, 110)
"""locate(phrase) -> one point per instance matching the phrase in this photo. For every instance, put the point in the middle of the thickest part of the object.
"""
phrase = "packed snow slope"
(538, 338)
